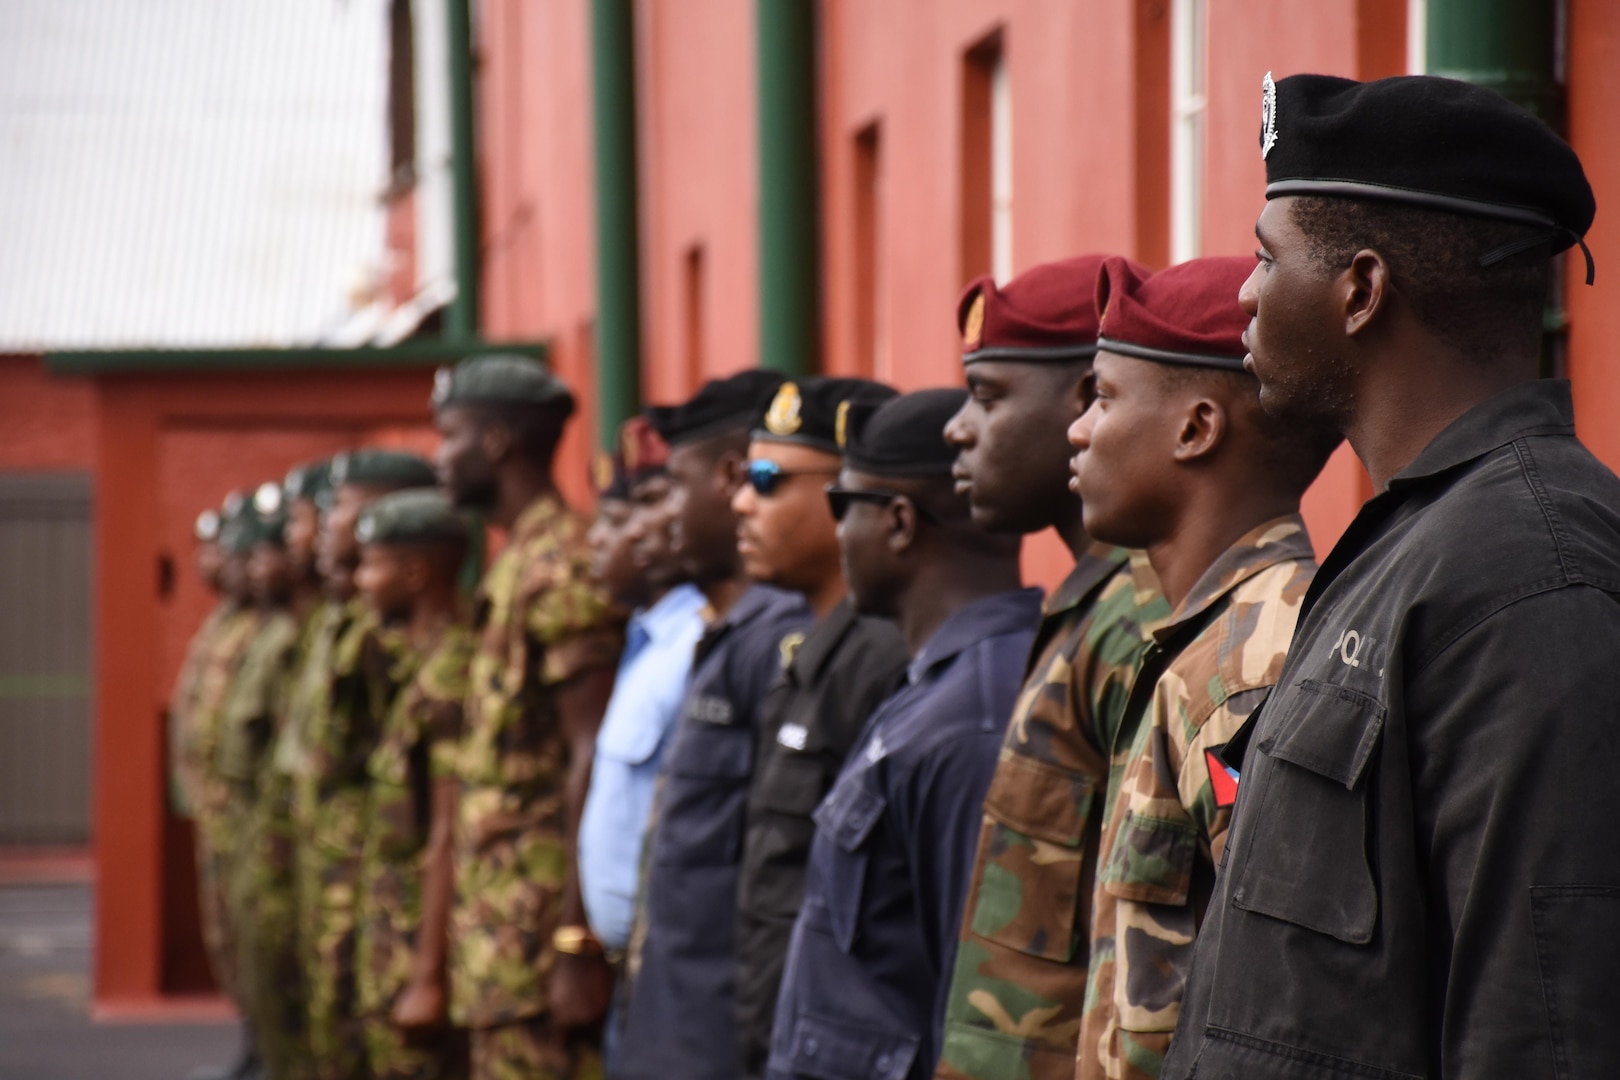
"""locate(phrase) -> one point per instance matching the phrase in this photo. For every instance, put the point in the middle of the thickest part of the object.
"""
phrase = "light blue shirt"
(647, 694)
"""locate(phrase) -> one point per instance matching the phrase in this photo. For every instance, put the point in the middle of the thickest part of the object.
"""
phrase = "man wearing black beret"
(681, 1023)
(863, 994)
(1413, 885)
(840, 670)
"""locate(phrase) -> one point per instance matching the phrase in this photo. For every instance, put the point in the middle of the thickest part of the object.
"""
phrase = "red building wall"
(46, 423)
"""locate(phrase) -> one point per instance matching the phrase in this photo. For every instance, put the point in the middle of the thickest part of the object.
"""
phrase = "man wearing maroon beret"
(1177, 458)
(1018, 984)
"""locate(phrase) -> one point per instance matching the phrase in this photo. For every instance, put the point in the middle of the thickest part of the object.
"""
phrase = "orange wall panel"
(46, 423)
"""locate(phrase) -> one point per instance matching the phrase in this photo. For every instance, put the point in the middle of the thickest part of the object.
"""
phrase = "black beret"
(499, 379)
(1424, 141)
(810, 412)
(904, 436)
(726, 404)
(259, 520)
(311, 481)
(416, 516)
(371, 467)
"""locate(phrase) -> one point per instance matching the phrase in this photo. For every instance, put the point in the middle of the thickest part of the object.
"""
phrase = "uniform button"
(810, 1047)
(1237, 894)
(882, 1063)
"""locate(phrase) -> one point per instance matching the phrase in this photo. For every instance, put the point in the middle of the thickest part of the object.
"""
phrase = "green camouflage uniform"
(1017, 991)
(539, 622)
(272, 968)
(1166, 827)
(344, 691)
(212, 803)
(417, 748)
(183, 770)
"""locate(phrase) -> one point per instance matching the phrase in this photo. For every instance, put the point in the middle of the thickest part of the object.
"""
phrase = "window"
(1188, 110)
(692, 287)
(987, 162)
(870, 346)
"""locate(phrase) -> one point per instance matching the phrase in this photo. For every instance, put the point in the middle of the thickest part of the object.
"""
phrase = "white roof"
(189, 173)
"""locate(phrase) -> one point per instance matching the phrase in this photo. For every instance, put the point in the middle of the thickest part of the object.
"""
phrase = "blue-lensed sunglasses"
(763, 474)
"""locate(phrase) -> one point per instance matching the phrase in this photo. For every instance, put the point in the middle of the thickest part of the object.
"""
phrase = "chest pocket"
(847, 819)
(706, 781)
(1032, 855)
(1305, 858)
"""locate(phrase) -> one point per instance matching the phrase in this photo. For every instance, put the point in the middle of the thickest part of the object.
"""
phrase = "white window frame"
(1189, 110)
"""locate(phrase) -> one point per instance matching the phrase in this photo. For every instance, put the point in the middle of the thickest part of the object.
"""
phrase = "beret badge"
(267, 500)
(443, 383)
(973, 325)
(841, 425)
(783, 417)
(1268, 115)
(602, 470)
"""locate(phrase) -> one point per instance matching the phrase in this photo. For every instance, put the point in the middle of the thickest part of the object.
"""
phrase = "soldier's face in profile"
(384, 580)
(303, 529)
(1293, 328)
(1125, 445)
(613, 564)
(269, 572)
(703, 476)
(1011, 459)
(465, 473)
(786, 536)
(210, 561)
(869, 566)
(338, 552)
(651, 531)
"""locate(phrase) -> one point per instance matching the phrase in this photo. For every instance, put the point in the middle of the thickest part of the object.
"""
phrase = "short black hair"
(1488, 312)
(535, 428)
(1292, 454)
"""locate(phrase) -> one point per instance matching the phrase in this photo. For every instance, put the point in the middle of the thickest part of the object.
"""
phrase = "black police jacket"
(844, 668)
(1422, 877)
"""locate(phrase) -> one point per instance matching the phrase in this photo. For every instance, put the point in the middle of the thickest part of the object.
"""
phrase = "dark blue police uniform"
(682, 1016)
(894, 845)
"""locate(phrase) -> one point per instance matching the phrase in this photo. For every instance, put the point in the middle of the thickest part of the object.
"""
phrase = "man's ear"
(418, 572)
(1203, 428)
(496, 442)
(730, 471)
(1084, 391)
(1363, 290)
(900, 525)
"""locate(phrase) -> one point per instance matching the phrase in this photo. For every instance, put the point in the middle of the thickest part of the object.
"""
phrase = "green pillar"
(788, 207)
(1507, 45)
(461, 320)
(618, 274)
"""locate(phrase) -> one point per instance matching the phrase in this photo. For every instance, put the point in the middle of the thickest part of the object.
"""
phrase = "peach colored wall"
(699, 185)
(1594, 317)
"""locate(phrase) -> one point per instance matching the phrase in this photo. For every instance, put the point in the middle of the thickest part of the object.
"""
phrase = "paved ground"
(45, 1029)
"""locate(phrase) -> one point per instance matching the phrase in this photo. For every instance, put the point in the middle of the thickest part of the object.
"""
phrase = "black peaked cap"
(810, 412)
(1424, 141)
(726, 404)
(904, 436)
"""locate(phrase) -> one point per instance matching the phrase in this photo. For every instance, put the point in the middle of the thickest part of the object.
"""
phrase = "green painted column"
(789, 212)
(1507, 45)
(618, 273)
(461, 320)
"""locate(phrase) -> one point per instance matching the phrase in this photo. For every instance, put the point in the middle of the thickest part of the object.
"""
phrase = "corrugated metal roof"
(188, 173)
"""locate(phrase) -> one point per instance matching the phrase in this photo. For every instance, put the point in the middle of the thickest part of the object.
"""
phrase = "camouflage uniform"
(183, 770)
(273, 972)
(539, 623)
(212, 802)
(417, 747)
(1016, 996)
(1219, 654)
(347, 684)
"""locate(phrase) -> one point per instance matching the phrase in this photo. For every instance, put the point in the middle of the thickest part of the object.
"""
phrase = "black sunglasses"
(840, 498)
(763, 474)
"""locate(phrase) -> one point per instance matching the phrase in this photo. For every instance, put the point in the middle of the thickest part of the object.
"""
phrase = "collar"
(823, 639)
(538, 518)
(673, 611)
(751, 604)
(1533, 407)
(1095, 566)
(986, 617)
(1279, 540)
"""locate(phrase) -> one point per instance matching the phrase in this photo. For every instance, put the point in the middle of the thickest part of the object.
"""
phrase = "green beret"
(310, 481)
(501, 379)
(412, 517)
(371, 467)
(206, 527)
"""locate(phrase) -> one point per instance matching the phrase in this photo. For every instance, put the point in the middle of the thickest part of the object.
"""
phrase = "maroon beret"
(1188, 314)
(1045, 313)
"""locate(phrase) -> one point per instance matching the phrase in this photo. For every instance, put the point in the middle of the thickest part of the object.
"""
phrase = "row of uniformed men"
(892, 816)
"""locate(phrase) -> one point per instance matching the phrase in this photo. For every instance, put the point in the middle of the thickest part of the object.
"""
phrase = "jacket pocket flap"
(848, 814)
(1040, 800)
(1333, 732)
(833, 1051)
(633, 744)
(1152, 860)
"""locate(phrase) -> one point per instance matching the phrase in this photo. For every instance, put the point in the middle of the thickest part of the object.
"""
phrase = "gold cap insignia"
(783, 417)
(841, 425)
(973, 326)
(444, 381)
(629, 450)
(602, 470)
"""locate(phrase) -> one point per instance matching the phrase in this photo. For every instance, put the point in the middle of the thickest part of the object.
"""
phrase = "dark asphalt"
(45, 1028)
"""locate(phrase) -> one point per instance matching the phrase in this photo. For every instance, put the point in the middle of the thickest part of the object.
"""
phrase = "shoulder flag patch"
(1223, 779)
